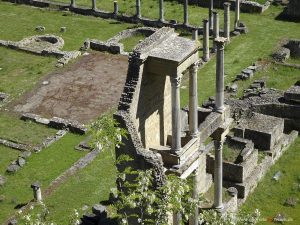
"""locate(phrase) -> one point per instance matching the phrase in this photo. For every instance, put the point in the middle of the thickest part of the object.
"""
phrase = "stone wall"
(293, 9)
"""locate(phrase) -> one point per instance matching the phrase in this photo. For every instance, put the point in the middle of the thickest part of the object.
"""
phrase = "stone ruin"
(169, 139)
(47, 45)
(293, 9)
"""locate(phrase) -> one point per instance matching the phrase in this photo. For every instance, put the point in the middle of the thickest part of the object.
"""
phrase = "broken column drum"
(94, 7)
(205, 40)
(116, 8)
(227, 21)
(138, 9)
(37, 193)
(237, 14)
(161, 11)
(176, 126)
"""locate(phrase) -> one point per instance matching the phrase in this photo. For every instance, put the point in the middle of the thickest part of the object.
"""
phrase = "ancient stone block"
(293, 94)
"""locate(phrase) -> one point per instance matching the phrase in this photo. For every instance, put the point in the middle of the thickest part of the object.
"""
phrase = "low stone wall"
(293, 9)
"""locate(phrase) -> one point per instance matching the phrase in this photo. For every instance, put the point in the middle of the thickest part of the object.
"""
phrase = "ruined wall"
(293, 9)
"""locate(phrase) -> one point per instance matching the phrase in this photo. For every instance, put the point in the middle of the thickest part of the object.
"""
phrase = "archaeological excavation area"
(103, 104)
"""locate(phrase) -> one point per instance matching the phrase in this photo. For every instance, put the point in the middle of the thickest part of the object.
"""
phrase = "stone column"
(227, 21)
(193, 101)
(37, 193)
(193, 220)
(218, 174)
(138, 9)
(216, 29)
(176, 121)
(94, 6)
(185, 13)
(177, 218)
(161, 11)
(116, 8)
(195, 34)
(237, 14)
(211, 19)
(205, 40)
(220, 42)
(73, 4)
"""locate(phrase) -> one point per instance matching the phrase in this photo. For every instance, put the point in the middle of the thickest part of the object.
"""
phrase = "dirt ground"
(82, 91)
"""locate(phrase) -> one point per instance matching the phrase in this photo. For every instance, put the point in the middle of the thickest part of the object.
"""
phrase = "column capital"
(227, 4)
(176, 81)
(205, 20)
(220, 42)
(194, 67)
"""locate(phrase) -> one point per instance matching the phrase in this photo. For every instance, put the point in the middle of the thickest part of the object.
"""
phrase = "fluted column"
(205, 40)
(211, 19)
(161, 11)
(218, 174)
(193, 101)
(237, 14)
(216, 29)
(220, 42)
(185, 13)
(138, 9)
(227, 21)
(176, 121)
(94, 6)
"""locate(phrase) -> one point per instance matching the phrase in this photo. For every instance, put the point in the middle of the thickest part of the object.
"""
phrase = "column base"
(219, 208)
(220, 109)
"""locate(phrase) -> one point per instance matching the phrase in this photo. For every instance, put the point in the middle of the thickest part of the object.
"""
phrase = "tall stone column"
(193, 220)
(216, 29)
(73, 4)
(161, 11)
(94, 6)
(227, 21)
(237, 14)
(185, 13)
(218, 174)
(211, 19)
(176, 121)
(205, 40)
(220, 42)
(138, 9)
(193, 101)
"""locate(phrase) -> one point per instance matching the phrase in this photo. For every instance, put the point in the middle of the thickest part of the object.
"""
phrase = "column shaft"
(161, 11)
(73, 4)
(227, 21)
(138, 8)
(220, 75)
(193, 101)
(218, 174)
(216, 29)
(193, 220)
(211, 19)
(176, 121)
(237, 14)
(177, 218)
(195, 35)
(94, 6)
(205, 40)
(185, 13)
(116, 8)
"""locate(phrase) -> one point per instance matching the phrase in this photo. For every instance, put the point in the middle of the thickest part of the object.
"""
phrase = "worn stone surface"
(293, 9)
(12, 168)
(2, 180)
(292, 94)
(21, 162)
(282, 54)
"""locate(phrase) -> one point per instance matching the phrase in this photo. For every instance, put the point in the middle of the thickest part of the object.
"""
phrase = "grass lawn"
(42, 167)
(270, 195)
(230, 153)
(12, 128)
(89, 186)
(7, 155)
(294, 60)
(130, 43)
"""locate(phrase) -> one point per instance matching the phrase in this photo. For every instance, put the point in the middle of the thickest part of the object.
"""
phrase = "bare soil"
(82, 91)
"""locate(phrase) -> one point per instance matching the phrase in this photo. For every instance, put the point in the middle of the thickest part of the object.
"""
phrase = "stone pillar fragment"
(161, 11)
(219, 106)
(195, 35)
(94, 6)
(218, 174)
(116, 8)
(176, 121)
(138, 9)
(216, 29)
(205, 40)
(73, 4)
(185, 13)
(211, 19)
(193, 101)
(37, 193)
(237, 14)
(227, 21)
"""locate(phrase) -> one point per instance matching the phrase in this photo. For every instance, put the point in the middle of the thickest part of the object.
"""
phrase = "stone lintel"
(223, 130)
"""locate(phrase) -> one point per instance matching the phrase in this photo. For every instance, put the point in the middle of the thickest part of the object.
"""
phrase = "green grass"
(43, 167)
(10, 155)
(12, 128)
(89, 186)
(230, 153)
(130, 43)
(270, 195)
(294, 60)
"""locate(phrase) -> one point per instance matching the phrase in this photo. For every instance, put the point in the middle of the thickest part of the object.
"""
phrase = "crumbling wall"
(293, 9)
